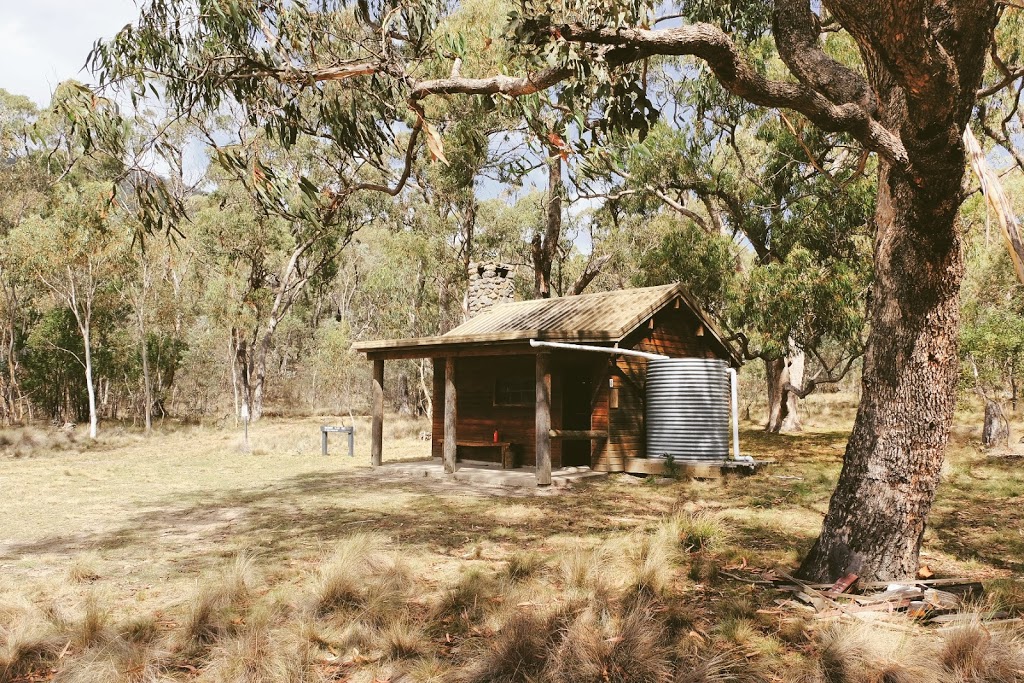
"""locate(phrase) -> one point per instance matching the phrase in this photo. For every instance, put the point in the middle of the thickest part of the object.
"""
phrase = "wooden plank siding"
(674, 333)
(478, 417)
(599, 419)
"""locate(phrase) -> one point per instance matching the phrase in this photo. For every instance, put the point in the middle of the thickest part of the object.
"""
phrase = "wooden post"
(543, 424)
(450, 415)
(377, 426)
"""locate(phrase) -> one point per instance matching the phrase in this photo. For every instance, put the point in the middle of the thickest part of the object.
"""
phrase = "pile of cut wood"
(940, 602)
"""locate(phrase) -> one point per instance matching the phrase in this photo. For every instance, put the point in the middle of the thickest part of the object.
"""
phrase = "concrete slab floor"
(489, 474)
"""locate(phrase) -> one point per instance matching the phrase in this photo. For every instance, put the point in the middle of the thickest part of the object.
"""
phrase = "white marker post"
(245, 421)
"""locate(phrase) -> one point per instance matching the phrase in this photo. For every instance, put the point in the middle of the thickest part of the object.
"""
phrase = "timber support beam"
(450, 416)
(543, 423)
(377, 424)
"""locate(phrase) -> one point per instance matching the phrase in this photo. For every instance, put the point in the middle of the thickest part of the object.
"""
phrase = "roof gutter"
(598, 349)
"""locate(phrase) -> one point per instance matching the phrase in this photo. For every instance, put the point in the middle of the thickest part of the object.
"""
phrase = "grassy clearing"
(179, 557)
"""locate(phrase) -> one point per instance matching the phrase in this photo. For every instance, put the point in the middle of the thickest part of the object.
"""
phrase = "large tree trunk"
(875, 522)
(258, 377)
(244, 365)
(775, 377)
(876, 518)
(796, 360)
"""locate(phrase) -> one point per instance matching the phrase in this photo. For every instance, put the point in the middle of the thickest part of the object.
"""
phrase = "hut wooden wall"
(601, 453)
(674, 333)
(478, 417)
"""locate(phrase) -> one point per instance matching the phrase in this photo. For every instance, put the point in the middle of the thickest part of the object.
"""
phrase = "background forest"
(186, 280)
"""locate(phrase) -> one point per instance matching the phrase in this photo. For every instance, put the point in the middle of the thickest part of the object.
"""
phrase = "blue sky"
(43, 42)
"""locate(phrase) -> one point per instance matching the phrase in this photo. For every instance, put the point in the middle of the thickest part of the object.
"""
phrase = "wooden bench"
(504, 449)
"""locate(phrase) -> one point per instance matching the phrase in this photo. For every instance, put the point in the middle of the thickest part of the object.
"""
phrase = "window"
(514, 391)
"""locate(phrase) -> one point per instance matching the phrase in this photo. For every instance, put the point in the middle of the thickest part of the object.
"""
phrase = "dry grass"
(132, 563)
(523, 565)
(598, 646)
(217, 607)
(341, 579)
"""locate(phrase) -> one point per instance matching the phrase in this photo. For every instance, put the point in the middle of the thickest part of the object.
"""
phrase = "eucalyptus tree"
(906, 98)
(75, 252)
(992, 329)
(778, 192)
(23, 188)
(271, 261)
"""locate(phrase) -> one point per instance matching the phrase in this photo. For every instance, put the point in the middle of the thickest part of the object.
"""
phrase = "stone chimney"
(490, 283)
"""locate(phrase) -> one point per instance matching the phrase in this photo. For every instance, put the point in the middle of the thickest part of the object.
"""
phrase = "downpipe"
(734, 385)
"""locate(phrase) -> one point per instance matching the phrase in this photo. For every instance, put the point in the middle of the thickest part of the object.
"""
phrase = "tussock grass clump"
(849, 653)
(586, 569)
(723, 666)
(697, 532)
(862, 653)
(973, 653)
(704, 568)
(116, 661)
(402, 639)
(93, 626)
(387, 594)
(429, 670)
(29, 642)
(259, 654)
(466, 600)
(523, 565)
(84, 568)
(217, 607)
(601, 648)
(1007, 594)
(141, 629)
(651, 561)
(517, 653)
(341, 579)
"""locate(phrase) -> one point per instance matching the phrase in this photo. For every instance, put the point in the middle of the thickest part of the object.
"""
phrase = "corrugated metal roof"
(601, 315)
(598, 317)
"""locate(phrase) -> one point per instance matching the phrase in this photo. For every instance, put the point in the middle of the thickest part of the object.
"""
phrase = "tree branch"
(712, 45)
(705, 42)
(796, 30)
(593, 269)
(830, 374)
(1007, 79)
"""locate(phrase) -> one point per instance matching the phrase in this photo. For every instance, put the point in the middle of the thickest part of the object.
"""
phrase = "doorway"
(577, 406)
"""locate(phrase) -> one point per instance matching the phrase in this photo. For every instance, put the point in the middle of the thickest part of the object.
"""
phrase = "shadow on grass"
(977, 516)
(308, 511)
(805, 446)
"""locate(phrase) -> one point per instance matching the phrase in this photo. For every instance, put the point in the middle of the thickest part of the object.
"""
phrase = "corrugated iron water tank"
(688, 409)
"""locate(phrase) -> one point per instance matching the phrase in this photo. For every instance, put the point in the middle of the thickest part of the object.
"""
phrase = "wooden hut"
(499, 398)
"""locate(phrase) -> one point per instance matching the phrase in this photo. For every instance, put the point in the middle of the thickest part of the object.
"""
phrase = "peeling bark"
(783, 403)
